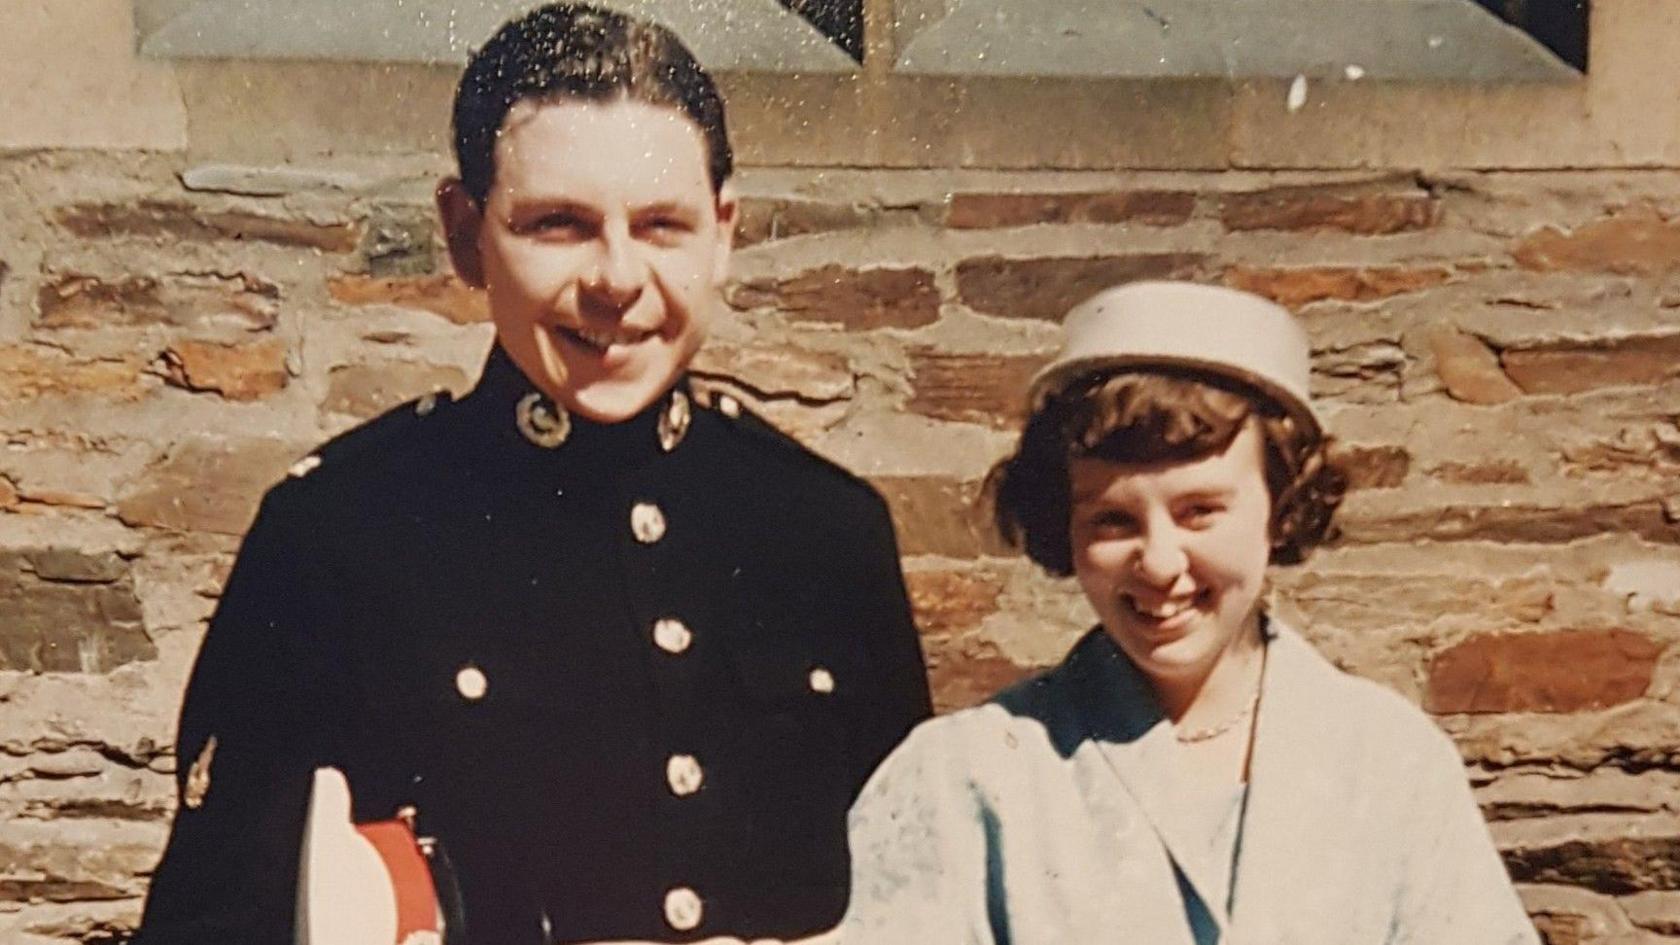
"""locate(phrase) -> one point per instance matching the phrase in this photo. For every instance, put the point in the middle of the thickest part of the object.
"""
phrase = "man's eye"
(553, 224)
(664, 226)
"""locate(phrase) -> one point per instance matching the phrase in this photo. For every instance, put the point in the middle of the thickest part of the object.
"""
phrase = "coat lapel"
(1124, 720)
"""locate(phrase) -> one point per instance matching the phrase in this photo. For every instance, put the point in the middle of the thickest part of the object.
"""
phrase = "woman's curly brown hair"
(1159, 416)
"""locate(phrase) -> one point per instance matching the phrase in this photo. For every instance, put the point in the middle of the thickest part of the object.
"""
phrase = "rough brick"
(208, 485)
(1612, 865)
(1151, 207)
(443, 295)
(46, 872)
(936, 515)
(238, 302)
(1635, 242)
(855, 299)
(1491, 472)
(780, 371)
(1513, 522)
(972, 388)
(1564, 671)
(365, 390)
(28, 373)
(1373, 467)
(765, 219)
(947, 603)
(235, 371)
(1369, 373)
(1046, 288)
(1571, 369)
(963, 673)
(151, 219)
(1468, 368)
(1296, 287)
(1313, 208)
(62, 611)
(399, 241)
(1657, 911)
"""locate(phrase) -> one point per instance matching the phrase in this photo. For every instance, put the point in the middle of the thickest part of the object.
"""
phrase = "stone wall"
(1497, 349)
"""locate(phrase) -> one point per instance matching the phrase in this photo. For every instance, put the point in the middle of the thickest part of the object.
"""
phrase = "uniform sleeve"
(1455, 887)
(257, 720)
(919, 843)
(899, 693)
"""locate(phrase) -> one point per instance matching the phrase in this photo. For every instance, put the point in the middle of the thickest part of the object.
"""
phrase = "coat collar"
(1123, 718)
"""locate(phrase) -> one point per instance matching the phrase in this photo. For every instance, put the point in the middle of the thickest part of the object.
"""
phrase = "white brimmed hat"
(1185, 325)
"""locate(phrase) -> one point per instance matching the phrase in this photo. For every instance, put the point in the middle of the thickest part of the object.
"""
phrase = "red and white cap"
(1185, 325)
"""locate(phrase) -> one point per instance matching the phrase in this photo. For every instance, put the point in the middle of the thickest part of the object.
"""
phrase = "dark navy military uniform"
(631, 682)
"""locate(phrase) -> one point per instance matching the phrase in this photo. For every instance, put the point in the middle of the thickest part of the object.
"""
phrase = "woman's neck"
(1223, 690)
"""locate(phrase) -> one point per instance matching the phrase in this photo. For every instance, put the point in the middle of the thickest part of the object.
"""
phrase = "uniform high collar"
(496, 405)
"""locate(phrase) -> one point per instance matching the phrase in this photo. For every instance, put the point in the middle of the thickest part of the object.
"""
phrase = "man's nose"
(619, 274)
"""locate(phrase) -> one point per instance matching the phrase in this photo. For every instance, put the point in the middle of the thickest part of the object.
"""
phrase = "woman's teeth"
(1166, 610)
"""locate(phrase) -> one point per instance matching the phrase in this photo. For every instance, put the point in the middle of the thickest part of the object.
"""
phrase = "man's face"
(1173, 555)
(602, 248)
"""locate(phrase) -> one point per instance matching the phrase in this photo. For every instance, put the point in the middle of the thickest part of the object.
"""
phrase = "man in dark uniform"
(627, 652)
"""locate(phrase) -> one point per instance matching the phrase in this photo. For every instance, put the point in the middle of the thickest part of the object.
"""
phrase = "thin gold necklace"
(1214, 731)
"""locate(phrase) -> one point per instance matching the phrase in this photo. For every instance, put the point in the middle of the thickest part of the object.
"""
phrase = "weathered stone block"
(965, 672)
(1491, 472)
(46, 872)
(1468, 368)
(240, 302)
(208, 485)
(971, 211)
(29, 372)
(1296, 287)
(156, 219)
(940, 516)
(1564, 671)
(780, 371)
(63, 610)
(444, 295)
(1614, 865)
(1637, 241)
(1373, 467)
(399, 241)
(235, 371)
(1046, 288)
(854, 299)
(1369, 373)
(366, 390)
(947, 603)
(1323, 208)
(764, 219)
(1572, 369)
(972, 388)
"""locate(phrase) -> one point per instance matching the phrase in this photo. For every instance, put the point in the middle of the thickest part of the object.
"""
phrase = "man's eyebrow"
(665, 206)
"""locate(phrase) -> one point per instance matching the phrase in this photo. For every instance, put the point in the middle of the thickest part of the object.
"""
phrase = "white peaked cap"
(1185, 325)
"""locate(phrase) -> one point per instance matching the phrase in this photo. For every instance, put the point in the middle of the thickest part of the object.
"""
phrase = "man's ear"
(463, 221)
(728, 215)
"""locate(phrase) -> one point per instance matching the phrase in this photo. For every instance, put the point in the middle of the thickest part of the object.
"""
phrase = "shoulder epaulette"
(761, 432)
(374, 437)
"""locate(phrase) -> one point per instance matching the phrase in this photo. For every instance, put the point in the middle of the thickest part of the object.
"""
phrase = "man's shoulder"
(781, 457)
(376, 454)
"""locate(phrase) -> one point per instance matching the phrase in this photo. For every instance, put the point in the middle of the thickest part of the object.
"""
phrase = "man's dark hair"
(573, 50)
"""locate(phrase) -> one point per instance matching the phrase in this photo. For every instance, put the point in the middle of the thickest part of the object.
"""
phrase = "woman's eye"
(1112, 523)
(1201, 514)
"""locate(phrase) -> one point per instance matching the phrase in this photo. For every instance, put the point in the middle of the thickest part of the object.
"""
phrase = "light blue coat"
(1052, 816)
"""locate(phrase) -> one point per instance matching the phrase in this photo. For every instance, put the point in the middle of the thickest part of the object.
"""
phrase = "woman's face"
(1173, 555)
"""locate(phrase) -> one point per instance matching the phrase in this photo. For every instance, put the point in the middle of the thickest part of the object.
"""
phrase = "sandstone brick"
(1373, 467)
(443, 295)
(235, 371)
(972, 388)
(947, 603)
(971, 211)
(1637, 241)
(765, 219)
(1491, 472)
(1468, 368)
(1513, 522)
(399, 241)
(1316, 208)
(156, 219)
(9, 496)
(936, 515)
(1368, 373)
(1046, 288)
(366, 390)
(1657, 911)
(28, 373)
(61, 614)
(1612, 865)
(239, 302)
(208, 485)
(1298, 286)
(1572, 369)
(60, 498)
(854, 299)
(964, 673)
(780, 371)
(47, 872)
(1564, 671)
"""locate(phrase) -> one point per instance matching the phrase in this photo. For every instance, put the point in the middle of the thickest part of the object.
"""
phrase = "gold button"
(821, 680)
(683, 909)
(684, 775)
(673, 422)
(672, 635)
(729, 406)
(647, 522)
(425, 405)
(471, 683)
(304, 466)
